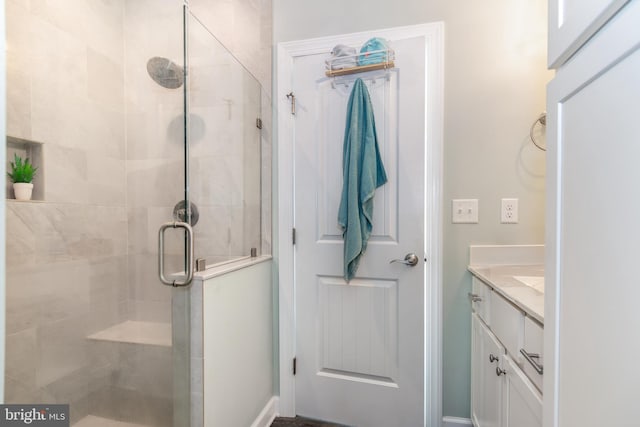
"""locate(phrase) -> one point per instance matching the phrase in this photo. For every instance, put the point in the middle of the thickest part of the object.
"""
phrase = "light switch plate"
(464, 211)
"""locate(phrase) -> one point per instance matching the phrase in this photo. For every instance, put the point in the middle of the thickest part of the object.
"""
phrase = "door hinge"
(295, 363)
(259, 123)
(293, 236)
(292, 98)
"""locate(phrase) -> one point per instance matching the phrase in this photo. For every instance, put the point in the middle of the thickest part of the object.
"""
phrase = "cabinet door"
(477, 370)
(573, 22)
(481, 304)
(492, 390)
(591, 296)
(486, 388)
(522, 403)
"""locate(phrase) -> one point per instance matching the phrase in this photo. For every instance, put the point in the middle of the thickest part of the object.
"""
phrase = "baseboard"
(268, 413)
(454, 422)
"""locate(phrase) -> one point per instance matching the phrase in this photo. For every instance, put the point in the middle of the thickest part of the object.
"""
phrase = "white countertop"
(502, 278)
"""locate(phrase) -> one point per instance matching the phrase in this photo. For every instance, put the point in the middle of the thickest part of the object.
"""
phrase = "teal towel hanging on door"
(362, 172)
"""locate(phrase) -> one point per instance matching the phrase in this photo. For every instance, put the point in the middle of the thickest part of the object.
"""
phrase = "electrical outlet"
(464, 211)
(509, 212)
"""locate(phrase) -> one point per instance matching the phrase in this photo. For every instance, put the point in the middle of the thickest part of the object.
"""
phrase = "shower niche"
(33, 151)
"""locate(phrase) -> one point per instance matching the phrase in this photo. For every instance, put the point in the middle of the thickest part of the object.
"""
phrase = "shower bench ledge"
(136, 332)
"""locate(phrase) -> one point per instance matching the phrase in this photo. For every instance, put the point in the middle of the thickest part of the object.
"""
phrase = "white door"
(360, 345)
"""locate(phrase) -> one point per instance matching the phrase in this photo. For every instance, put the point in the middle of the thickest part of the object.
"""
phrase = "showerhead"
(165, 72)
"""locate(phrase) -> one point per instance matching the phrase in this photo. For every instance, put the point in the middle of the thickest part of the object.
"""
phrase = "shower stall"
(135, 116)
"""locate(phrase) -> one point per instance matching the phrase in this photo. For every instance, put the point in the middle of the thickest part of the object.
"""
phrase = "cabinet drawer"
(533, 344)
(480, 299)
(507, 323)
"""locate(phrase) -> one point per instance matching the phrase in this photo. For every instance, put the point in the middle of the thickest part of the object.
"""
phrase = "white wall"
(495, 76)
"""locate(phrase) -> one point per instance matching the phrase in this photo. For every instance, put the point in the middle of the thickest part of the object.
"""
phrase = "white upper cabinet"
(573, 22)
(591, 325)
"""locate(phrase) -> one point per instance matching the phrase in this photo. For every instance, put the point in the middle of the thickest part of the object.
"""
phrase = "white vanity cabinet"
(502, 394)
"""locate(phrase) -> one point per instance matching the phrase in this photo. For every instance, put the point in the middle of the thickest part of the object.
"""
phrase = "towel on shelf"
(374, 51)
(362, 172)
(343, 56)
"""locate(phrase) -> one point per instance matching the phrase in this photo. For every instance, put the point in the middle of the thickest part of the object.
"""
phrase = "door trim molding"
(433, 34)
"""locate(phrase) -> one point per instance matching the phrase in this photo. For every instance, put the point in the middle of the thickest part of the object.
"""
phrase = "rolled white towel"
(343, 56)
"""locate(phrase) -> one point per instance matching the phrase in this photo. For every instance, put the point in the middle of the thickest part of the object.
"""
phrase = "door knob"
(410, 260)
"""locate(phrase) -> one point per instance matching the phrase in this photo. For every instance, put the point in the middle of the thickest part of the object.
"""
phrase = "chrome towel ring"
(542, 119)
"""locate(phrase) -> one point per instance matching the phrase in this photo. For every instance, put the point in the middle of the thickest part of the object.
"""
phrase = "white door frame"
(433, 34)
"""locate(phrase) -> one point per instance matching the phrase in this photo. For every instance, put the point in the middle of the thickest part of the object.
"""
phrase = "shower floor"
(92, 421)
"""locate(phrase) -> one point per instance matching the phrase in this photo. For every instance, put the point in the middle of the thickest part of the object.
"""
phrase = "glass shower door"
(159, 241)
(224, 153)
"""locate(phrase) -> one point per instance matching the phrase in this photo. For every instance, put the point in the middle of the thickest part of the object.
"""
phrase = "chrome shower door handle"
(188, 255)
(410, 259)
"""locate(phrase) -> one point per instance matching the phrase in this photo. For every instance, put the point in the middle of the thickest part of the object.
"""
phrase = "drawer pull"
(493, 358)
(474, 297)
(500, 371)
(530, 356)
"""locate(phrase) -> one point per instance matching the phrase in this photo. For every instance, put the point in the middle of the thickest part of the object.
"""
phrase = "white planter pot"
(22, 190)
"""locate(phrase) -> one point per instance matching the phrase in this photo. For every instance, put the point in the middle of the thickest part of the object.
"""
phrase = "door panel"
(360, 345)
(359, 327)
(331, 119)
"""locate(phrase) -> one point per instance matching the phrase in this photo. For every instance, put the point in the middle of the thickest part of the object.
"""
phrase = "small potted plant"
(22, 173)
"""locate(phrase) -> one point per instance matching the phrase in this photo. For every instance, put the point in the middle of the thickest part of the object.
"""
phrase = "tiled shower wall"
(81, 260)
(66, 256)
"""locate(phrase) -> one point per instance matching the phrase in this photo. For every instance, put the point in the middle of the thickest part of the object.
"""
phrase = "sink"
(535, 282)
